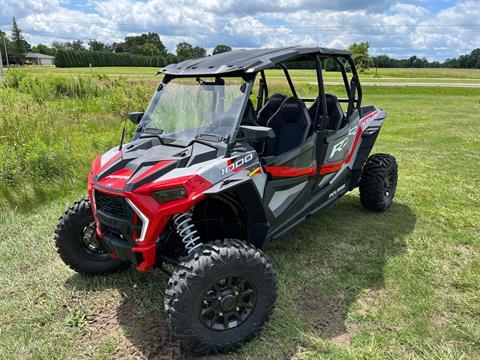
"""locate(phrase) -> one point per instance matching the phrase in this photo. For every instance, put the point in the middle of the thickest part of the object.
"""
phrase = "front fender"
(241, 187)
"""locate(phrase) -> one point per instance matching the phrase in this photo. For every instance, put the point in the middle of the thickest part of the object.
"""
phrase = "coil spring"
(186, 230)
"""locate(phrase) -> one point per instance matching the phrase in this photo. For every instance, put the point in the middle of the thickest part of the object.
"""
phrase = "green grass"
(353, 284)
(386, 75)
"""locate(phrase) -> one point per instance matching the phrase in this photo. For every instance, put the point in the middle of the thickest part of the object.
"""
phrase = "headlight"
(169, 194)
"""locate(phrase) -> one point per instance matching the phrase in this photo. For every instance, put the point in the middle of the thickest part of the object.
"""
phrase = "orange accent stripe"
(253, 172)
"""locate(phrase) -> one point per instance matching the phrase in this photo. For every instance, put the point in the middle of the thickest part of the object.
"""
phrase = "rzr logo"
(237, 164)
(341, 145)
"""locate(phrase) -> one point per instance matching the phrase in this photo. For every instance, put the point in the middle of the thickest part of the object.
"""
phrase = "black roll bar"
(344, 75)
(290, 83)
(318, 126)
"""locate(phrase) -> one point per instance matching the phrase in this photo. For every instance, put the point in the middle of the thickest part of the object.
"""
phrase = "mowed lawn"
(352, 283)
(441, 75)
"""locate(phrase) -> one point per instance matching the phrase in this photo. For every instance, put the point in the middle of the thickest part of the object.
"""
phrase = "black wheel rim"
(228, 303)
(89, 240)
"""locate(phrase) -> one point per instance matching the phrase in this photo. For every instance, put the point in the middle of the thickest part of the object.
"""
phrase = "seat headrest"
(270, 108)
(331, 100)
(276, 98)
(292, 110)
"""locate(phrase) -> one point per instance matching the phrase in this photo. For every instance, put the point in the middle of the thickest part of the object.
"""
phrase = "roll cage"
(352, 87)
(247, 64)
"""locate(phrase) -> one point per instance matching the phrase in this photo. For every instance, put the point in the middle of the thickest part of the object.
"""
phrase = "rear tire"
(77, 242)
(379, 182)
(220, 296)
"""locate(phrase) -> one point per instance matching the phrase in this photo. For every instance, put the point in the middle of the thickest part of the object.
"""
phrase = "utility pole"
(1, 65)
(6, 52)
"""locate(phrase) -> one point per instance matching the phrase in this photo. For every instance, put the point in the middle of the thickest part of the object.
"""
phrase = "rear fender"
(370, 126)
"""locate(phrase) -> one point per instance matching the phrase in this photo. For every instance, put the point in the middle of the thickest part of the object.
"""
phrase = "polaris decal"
(332, 194)
(237, 164)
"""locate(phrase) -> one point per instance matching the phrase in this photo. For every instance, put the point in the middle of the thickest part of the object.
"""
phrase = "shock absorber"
(186, 230)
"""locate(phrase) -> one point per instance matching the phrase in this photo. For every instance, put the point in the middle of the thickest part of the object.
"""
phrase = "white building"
(39, 59)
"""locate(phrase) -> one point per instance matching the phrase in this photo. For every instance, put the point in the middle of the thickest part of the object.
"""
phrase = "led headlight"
(169, 194)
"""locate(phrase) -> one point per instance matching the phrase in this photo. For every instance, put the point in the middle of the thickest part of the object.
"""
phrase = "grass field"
(353, 284)
(382, 75)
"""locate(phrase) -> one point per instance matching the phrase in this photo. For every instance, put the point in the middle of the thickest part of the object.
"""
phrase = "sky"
(433, 29)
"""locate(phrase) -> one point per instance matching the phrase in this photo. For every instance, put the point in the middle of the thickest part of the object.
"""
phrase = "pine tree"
(19, 45)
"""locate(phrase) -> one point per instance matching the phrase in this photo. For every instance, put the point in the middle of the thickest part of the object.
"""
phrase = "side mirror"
(256, 133)
(135, 117)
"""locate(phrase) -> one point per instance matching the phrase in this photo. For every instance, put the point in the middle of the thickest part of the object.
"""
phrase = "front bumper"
(135, 241)
(121, 249)
(144, 258)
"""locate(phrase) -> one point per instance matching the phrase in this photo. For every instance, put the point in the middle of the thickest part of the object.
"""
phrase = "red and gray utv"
(210, 178)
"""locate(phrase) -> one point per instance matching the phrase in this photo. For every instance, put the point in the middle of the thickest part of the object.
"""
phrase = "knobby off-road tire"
(379, 182)
(77, 243)
(226, 279)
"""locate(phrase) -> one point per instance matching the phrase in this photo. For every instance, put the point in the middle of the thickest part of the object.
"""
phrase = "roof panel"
(38, 56)
(243, 60)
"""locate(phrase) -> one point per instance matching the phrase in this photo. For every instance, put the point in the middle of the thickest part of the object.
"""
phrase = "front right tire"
(78, 245)
(220, 296)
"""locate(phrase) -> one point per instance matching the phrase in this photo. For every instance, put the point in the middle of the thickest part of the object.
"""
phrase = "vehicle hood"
(143, 161)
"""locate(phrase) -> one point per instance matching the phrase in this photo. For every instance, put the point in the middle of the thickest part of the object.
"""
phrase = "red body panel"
(158, 214)
(288, 171)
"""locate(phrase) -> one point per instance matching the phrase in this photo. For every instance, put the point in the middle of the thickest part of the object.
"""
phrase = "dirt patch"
(300, 354)
(442, 319)
(324, 314)
(137, 336)
(327, 316)
(344, 339)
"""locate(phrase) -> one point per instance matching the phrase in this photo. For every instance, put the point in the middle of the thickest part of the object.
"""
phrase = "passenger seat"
(272, 105)
(291, 125)
(334, 111)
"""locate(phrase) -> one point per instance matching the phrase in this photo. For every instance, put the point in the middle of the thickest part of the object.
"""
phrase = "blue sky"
(435, 29)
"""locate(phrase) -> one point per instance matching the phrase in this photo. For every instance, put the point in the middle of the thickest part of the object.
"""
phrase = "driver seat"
(291, 124)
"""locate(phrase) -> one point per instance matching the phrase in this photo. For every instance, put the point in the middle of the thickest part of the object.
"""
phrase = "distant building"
(39, 59)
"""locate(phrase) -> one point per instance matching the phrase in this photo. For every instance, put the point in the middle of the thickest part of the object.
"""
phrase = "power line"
(356, 26)
(261, 26)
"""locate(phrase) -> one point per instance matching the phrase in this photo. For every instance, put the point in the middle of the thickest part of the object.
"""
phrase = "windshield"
(187, 109)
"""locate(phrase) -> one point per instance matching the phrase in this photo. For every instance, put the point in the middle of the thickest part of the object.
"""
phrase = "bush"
(82, 58)
(13, 78)
(52, 127)
(44, 162)
(57, 87)
(10, 168)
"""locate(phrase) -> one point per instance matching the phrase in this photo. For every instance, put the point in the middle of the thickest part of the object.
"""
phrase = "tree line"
(467, 61)
(136, 50)
(148, 50)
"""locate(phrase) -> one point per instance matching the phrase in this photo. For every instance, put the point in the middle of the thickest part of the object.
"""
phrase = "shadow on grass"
(323, 266)
(332, 260)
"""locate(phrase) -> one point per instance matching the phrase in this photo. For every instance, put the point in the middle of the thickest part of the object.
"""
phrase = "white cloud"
(390, 26)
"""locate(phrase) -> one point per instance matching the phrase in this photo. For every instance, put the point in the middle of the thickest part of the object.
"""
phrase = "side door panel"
(338, 147)
(289, 175)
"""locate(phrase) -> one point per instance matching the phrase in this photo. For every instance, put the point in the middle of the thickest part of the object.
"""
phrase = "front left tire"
(220, 296)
